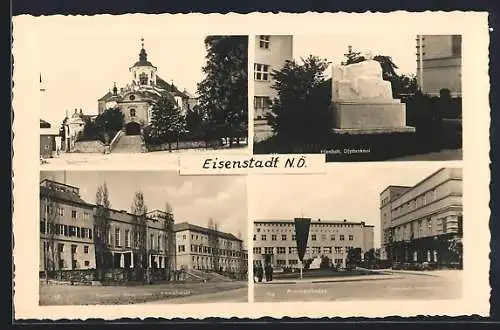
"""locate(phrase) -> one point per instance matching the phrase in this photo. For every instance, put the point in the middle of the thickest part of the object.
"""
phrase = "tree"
(167, 122)
(369, 258)
(223, 93)
(325, 262)
(352, 57)
(110, 120)
(139, 210)
(101, 226)
(49, 228)
(169, 240)
(300, 111)
(193, 120)
(213, 242)
(353, 258)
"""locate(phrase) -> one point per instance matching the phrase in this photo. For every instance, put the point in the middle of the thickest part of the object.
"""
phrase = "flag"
(302, 235)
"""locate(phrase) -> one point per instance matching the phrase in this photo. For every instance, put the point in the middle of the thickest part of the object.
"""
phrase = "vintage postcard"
(280, 165)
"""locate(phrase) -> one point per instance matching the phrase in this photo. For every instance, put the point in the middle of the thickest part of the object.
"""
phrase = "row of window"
(223, 242)
(60, 247)
(310, 250)
(284, 237)
(65, 230)
(415, 203)
(156, 242)
(423, 228)
(209, 250)
(59, 211)
(314, 227)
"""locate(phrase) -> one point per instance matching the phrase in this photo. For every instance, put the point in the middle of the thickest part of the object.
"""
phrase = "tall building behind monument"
(271, 53)
(439, 64)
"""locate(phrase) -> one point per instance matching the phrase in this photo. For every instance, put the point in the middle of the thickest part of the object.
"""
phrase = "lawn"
(123, 295)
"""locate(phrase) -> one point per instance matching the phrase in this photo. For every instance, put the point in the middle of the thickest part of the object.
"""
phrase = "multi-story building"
(207, 249)
(439, 64)
(417, 222)
(48, 139)
(124, 243)
(66, 228)
(137, 98)
(271, 53)
(68, 234)
(275, 241)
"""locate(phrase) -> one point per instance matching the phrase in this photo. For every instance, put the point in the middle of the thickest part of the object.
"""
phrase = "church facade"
(137, 98)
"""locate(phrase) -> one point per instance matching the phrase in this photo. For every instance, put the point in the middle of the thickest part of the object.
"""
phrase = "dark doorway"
(133, 128)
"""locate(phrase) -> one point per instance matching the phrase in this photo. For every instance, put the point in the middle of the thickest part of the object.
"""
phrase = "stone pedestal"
(387, 116)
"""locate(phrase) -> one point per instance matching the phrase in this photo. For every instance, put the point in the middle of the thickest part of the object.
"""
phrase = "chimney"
(81, 112)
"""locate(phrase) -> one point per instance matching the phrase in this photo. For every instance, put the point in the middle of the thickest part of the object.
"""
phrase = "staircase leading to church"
(128, 144)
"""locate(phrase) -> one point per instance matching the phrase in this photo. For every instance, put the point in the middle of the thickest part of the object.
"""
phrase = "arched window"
(143, 79)
(132, 112)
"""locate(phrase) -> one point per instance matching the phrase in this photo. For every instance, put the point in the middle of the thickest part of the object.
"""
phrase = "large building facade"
(275, 241)
(137, 98)
(206, 249)
(76, 235)
(439, 64)
(271, 53)
(419, 222)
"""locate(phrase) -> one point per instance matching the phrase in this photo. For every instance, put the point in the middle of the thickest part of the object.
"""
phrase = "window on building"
(42, 227)
(60, 211)
(293, 262)
(182, 248)
(332, 237)
(351, 237)
(341, 237)
(264, 42)
(73, 249)
(110, 237)
(313, 237)
(143, 79)
(268, 250)
(132, 112)
(73, 214)
(85, 249)
(159, 242)
(293, 237)
(456, 45)
(261, 72)
(127, 238)
(263, 237)
(117, 237)
(273, 237)
(262, 102)
(254, 237)
(283, 237)
(281, 250)
(257, 250)
(60, 247)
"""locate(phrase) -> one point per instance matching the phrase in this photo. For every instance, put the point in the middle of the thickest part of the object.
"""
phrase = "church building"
(136, 99)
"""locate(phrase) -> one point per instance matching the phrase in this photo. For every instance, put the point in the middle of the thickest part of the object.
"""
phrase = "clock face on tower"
(132, 97)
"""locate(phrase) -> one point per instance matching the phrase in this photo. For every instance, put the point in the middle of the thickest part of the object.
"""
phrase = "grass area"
(123, 295)
(325, 273)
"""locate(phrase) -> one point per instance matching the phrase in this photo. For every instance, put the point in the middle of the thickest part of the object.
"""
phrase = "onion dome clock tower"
(143, 72)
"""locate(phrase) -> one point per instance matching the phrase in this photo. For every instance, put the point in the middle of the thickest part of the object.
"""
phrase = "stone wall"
(184, 145)
(115, 140)
(95, 146)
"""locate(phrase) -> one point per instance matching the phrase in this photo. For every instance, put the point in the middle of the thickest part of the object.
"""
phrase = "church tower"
(143, 72)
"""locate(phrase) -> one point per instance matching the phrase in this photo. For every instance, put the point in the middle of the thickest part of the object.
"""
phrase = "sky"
(347, 192)
(333, 47)
(194, 199)
(81, 58)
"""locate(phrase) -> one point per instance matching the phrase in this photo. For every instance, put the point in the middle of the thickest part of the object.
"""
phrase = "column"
(149, 260)
(122, 260)
(428, 255)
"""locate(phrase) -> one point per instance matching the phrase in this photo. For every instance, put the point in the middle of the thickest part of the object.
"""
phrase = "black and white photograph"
(106, 97)
(359, 97)
(117, 237)
(332, 237)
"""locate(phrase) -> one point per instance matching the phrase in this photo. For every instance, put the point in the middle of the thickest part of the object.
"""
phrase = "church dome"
(143, 57)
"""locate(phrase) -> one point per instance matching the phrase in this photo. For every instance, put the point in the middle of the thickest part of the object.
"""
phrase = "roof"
(170, 87)
(313, 221)
(187, 226)
(63, 196)
(105, 96)
(44, 124)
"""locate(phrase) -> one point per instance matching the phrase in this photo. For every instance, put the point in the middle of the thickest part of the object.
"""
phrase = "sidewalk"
(377, 277)
(435, 273)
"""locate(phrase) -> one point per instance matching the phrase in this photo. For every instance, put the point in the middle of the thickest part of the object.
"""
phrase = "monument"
(362, 101)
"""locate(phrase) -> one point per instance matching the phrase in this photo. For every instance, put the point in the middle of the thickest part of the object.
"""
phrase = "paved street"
(235, 296)
(163, 158)
(442, 285)
(165, 293)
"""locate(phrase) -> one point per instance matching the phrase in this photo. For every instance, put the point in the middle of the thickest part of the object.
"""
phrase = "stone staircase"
(209, 277)
(128, 144)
